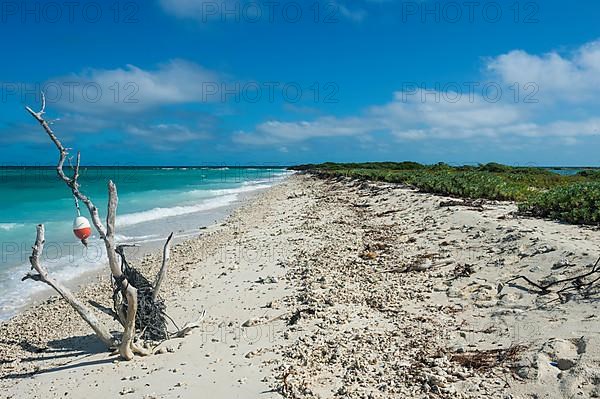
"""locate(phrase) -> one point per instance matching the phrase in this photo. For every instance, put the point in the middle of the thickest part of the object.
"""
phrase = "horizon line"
(282, 166)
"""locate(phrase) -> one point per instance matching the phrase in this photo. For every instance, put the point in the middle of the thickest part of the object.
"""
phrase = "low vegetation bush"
(539, 192)
(577, 203)
(590, 173)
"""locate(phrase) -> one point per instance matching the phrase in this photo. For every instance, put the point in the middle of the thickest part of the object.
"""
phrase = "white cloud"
(133, 89)
(276, 132)
(422, 115)
(166, 136)
(574, 78)
(568, 131)
(415, 120)
(425, 109)
(168, 132)
(405, 117)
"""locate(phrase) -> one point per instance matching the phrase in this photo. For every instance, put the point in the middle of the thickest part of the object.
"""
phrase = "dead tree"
(43, 276)
(127, 307)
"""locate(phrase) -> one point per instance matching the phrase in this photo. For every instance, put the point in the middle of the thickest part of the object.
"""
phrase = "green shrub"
(589, 173)
(577, 203)
(540, 192)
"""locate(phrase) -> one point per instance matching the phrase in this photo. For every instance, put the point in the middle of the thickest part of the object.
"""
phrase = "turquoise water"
(152, 202)
(565, 172)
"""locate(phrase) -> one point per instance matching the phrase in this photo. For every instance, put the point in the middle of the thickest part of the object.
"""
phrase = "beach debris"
(189, 327)
(163, 269)
(255, 353)
(425, 262)
(253, 322)
(378, 330)
(486, 359)
(463, 270)
(562, 263)
(126, 391)
(476, 205)
(368, 255)
(82, 228)
(150, 315)
(267, 280)
(137, 305)
(261, 320)
(272, 304)
(297, 315)
(389, 212)
(570, 285)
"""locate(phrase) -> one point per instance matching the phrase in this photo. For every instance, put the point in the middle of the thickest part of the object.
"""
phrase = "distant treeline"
(539, 191)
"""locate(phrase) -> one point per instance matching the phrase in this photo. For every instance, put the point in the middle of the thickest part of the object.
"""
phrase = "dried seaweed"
(150, 319)
(487, 359)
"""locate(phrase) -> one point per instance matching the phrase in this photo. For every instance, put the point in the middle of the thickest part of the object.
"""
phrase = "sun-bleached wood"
(163, 269)
(126, 348)
(126, 313)
(43, 276)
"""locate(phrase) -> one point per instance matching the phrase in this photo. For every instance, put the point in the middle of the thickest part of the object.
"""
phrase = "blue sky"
(184, 82)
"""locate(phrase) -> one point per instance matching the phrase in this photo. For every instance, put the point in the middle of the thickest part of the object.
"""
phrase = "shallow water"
(152, 201)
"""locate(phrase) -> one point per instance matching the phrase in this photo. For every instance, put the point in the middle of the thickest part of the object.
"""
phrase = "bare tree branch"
(128, 290)
(127, 347)
(76, 169)
(188, 327)
(71, 182)
(163, 269)
(126, 308)
(43, 276)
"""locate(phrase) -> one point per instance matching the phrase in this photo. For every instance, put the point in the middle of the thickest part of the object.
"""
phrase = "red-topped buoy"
(82, 229)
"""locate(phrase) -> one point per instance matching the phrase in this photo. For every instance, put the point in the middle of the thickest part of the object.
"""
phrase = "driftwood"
(476, 205)
(163, 269)
(43, 276)
(578, 282)
(126, 302)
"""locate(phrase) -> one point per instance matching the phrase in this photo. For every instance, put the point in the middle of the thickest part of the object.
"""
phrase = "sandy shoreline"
(350, 290)
(205, 221)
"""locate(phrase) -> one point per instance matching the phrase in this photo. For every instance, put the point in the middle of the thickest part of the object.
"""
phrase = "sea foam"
(161, 213)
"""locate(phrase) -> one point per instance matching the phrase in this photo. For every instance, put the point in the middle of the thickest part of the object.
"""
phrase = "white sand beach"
(337, 288)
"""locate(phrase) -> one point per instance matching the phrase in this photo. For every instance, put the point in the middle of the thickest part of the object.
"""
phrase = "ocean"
(152, 203)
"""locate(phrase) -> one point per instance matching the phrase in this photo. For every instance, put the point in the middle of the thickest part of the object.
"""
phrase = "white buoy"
(82, 228)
